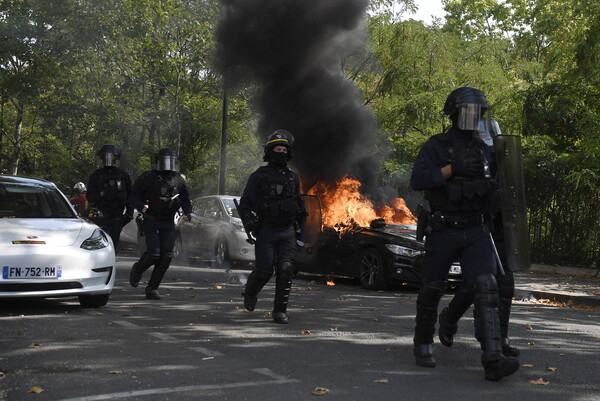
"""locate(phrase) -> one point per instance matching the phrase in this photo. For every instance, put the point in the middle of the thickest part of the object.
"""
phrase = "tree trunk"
(16, 154)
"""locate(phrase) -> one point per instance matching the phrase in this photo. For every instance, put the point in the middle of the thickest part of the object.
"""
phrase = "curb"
(576, 299)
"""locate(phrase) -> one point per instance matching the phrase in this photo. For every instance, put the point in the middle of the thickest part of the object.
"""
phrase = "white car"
(46, 250)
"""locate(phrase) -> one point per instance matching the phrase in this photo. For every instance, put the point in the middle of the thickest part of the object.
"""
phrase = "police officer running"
(452, 169)
(272, 210)
(108, 193)
(159, 194)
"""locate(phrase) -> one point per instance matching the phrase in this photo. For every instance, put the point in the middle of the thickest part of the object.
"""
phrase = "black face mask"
(279, 159)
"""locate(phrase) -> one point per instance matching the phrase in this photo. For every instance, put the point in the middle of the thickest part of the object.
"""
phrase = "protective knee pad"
(285, 268)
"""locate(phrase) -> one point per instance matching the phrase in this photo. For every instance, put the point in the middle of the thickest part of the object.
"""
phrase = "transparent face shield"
(469, 115)
(168, 163)
(488, 131)
(110, 160)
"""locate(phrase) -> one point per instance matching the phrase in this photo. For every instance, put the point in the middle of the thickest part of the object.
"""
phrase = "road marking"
(162, 336)
(126, 324)
(206, 351)
(277, 379)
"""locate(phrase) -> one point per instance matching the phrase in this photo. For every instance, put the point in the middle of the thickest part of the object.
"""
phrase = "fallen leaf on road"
(116, 372)
(528, 327)
(375, 320)
(530, 343)
(36, 390)
(539, 381)
(320, 391)
(551, 369)
(1, 373)
(266, 315)
(333, 329)
(305, 332)
(398, 295)
(342, 298)
(381, 381)
(218, 287)
(527, 365)
(35, 345)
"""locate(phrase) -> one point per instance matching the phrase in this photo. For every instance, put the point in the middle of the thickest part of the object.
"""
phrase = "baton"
(249, 240)
(500, 267)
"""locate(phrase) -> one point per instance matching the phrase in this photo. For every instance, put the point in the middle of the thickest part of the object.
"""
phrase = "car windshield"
(230, 207)
(32, 201)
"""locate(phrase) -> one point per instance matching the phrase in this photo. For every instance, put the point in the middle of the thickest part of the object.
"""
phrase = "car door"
(209, 213)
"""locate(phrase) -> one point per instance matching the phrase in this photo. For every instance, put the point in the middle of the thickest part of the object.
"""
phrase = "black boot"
(427, 304)
(506, 290)
(496, 364)
(283, 286)
(256, 281)
(462, 300)
(152, 293)
(158, 273)
(138, 268)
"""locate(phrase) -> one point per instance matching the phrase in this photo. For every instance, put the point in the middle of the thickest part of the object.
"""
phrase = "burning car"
(376, 253)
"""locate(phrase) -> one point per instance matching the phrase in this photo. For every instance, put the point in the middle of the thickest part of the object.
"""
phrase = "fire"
(330, 283)
(345, 208)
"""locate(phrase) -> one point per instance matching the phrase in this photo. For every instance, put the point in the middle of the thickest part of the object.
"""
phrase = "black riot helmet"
(166, 160)
(109, 154)
(466, 106)
(279, 137)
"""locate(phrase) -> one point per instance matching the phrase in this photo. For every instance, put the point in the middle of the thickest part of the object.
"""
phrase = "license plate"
(14, 272)
(455, 269)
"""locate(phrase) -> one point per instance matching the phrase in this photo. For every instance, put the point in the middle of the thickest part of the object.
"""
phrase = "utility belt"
(437, 221)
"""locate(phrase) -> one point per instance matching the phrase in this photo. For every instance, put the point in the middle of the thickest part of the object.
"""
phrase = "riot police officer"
(453, 170)
(108, 193)
(159, 194)
(272, 210)
(463, 298)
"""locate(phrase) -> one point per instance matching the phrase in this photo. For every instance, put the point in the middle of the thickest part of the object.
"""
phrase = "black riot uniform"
(453, 169)
(463, 298)
(108, 194)
(159, 194)
(272, 210)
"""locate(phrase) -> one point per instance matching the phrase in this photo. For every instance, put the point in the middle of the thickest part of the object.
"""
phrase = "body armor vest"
(113, 192)
(163, 197)
(465, 195)
(276, 200)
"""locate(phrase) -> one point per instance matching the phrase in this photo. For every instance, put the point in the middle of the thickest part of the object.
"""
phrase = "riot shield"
(514, 212)
(312, 230)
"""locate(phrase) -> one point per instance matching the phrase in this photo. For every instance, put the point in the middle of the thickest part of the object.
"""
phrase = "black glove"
(466, 165)
(251, 227)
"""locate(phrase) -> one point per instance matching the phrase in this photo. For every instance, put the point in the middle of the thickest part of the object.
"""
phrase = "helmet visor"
(469, 115)
(168, 163)
(109, 159)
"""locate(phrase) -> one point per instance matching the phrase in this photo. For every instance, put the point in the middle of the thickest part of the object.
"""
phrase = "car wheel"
(177, 248)
(221, 253)
(372, 270)
(93, 301)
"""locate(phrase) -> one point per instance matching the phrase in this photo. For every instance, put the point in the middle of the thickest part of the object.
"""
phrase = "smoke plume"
(292, 51)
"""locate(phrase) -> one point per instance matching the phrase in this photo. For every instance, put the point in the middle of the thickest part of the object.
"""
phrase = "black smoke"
(292, 51)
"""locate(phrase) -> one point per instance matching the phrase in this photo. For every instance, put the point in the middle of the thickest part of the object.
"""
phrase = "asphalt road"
(198, 343)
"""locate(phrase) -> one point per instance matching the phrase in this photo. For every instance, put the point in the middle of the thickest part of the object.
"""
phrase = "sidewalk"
(579, 286)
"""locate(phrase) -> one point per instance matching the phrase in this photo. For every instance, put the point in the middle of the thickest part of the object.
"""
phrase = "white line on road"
(162, 336)
(165, 390)
(206, 351)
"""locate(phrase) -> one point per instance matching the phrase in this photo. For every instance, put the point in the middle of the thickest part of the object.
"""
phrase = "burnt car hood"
(401, 234)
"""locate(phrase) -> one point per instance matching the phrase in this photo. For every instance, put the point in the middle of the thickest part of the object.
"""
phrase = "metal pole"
(222, 166)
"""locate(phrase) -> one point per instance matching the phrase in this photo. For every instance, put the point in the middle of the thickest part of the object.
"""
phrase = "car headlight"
(98, 240)
(402, 251)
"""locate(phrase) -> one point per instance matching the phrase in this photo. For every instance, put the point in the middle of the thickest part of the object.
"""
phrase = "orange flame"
(330, 283)
(345, 208)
